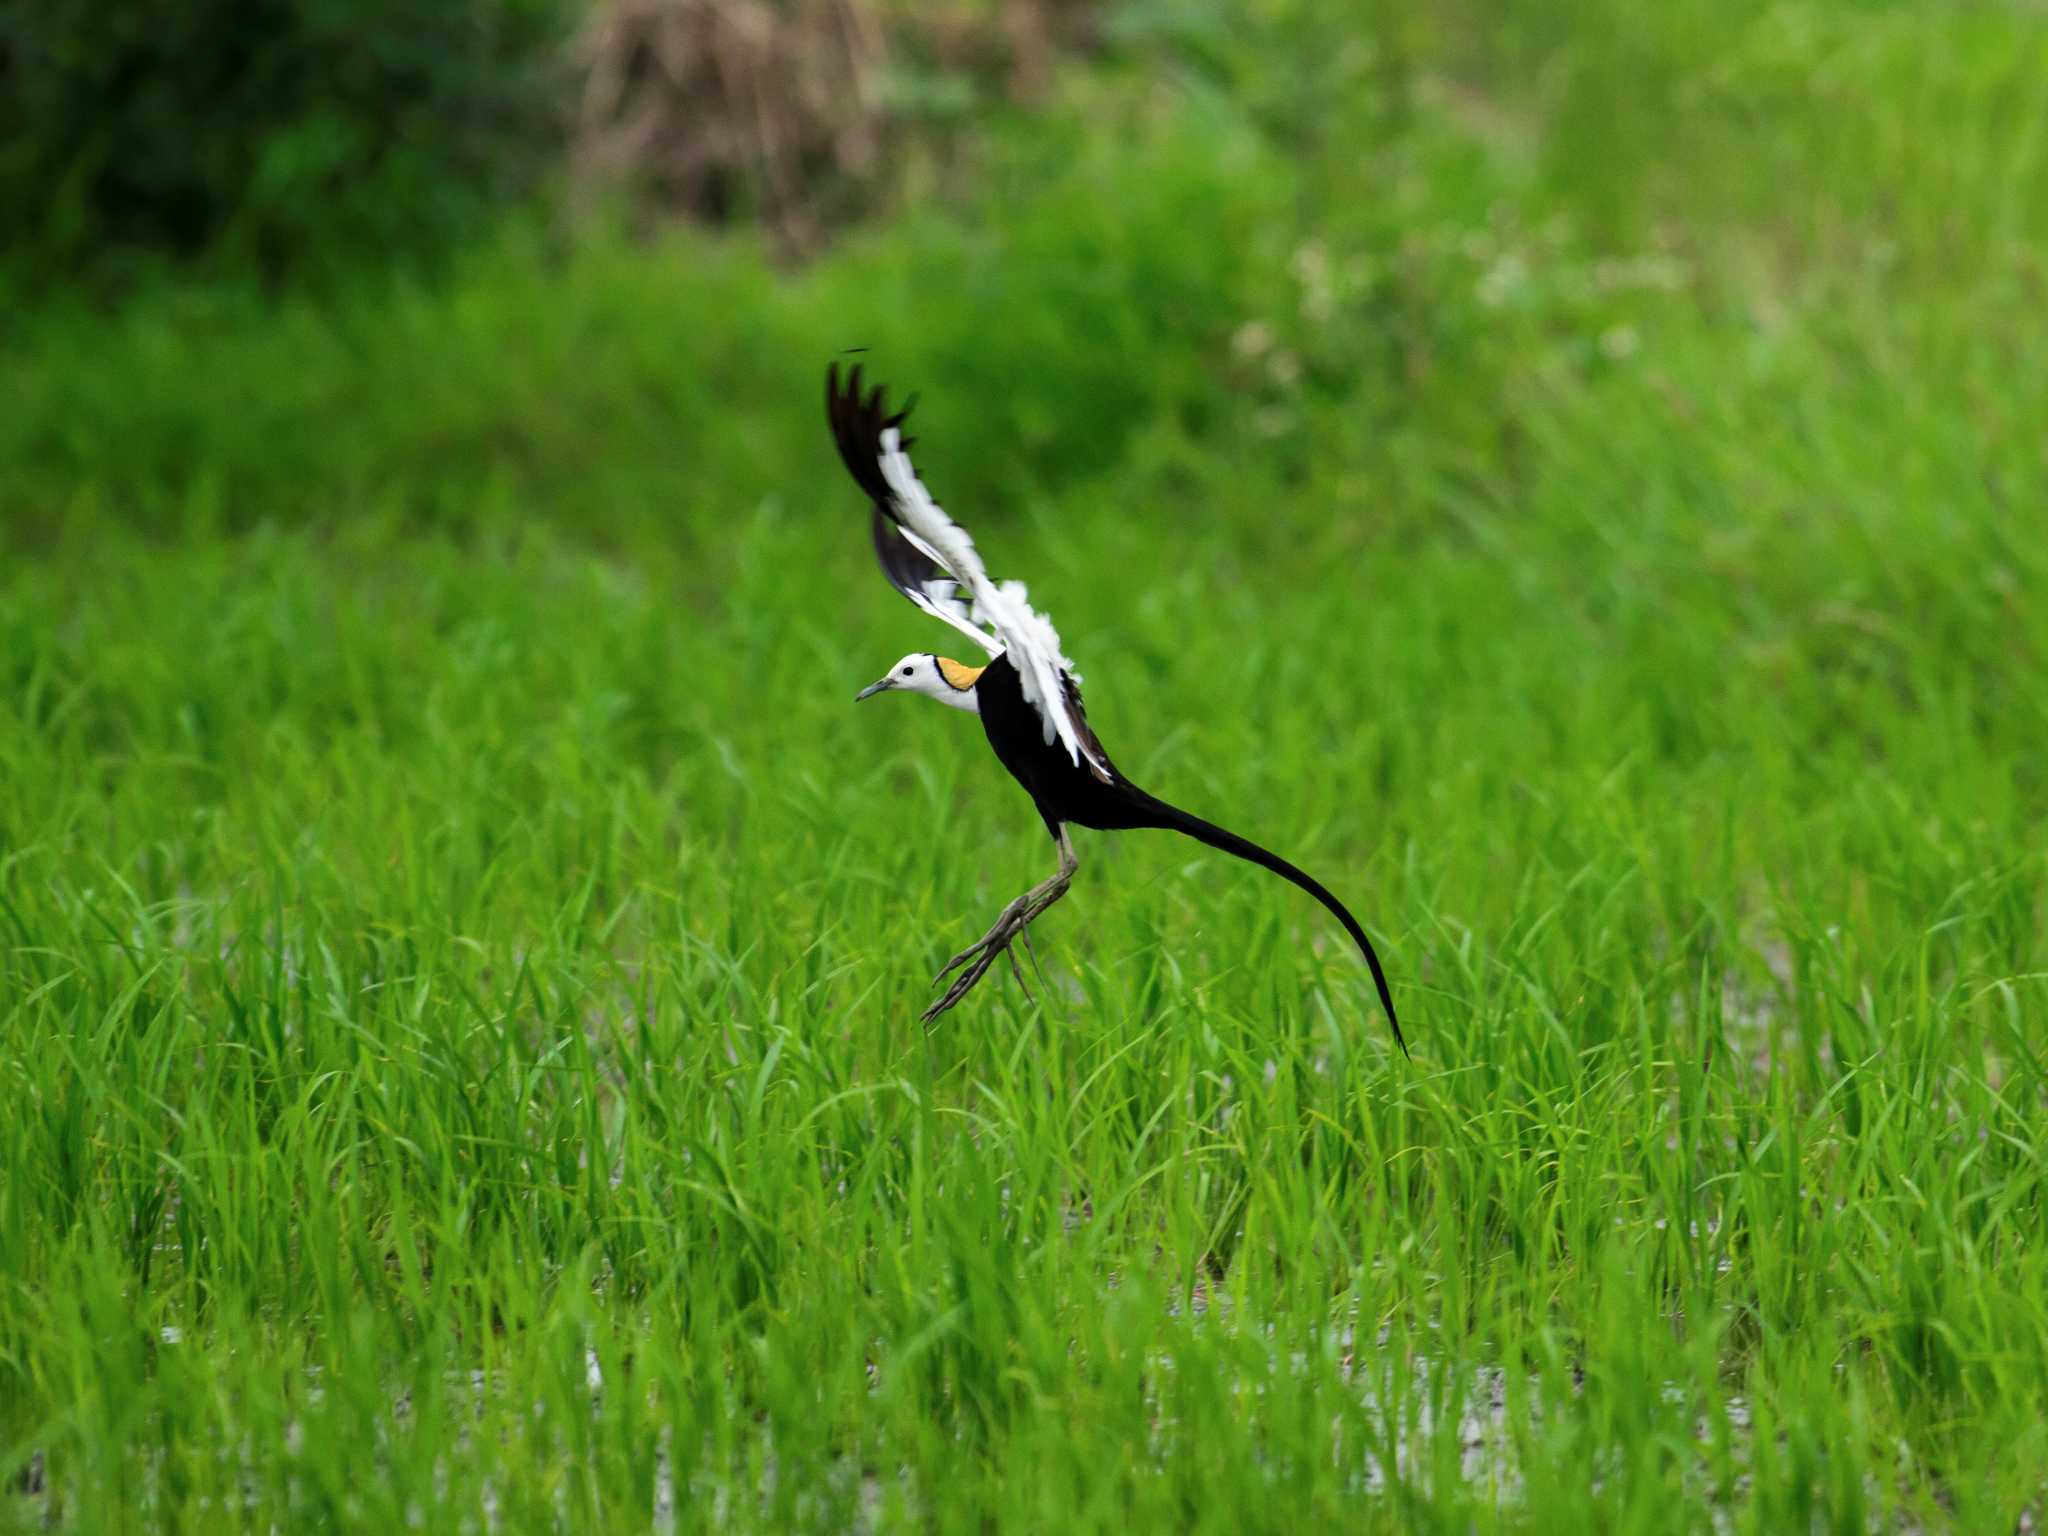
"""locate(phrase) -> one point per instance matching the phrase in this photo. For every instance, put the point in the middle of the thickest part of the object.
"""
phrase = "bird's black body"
(1064, 791)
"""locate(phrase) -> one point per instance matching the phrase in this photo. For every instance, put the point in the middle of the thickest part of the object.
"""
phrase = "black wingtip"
(857, 414)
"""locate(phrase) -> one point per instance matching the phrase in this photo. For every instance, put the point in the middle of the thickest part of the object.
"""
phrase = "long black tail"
(1174, 819)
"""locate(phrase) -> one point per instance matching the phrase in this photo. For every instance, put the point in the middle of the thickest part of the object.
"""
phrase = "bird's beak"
(872, 689)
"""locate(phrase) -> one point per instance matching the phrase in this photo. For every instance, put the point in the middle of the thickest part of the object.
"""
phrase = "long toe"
(1017, 969)
(981, 951)
(1005, 928)
(993, 939)
(960, 988)
(984, 955)
(957, 961)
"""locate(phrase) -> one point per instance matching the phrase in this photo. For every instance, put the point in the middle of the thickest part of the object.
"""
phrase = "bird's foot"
(998, 930)
(1013, 923)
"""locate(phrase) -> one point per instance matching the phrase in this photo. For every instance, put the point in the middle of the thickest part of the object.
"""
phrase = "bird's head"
(936, 677)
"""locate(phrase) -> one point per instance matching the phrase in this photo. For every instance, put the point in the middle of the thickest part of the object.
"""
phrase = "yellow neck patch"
(960, 677)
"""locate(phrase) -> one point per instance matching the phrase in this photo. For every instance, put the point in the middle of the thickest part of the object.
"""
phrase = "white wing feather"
(1030, 640)
(941, 599)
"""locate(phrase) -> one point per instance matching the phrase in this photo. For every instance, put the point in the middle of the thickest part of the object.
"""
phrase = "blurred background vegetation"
(1594, 448)
(278, 262)
(281, 141)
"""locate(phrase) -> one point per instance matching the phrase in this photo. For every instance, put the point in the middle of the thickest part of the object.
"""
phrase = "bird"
(1026, 693)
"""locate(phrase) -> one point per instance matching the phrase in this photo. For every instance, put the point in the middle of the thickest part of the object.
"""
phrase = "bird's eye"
(906, 671)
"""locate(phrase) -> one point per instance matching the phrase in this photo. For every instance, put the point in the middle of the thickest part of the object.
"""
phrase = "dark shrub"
(263, 132)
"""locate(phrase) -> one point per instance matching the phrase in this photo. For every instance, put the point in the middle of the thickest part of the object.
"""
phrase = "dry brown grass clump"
(795, 113)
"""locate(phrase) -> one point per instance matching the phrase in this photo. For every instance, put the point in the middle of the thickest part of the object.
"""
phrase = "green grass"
(458, 941)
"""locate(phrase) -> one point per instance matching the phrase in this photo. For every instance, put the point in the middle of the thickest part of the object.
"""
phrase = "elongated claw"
(972, 950)
(983, 954)
(960, 987)
(1016, 969)
(1000, 932)
(954, 964)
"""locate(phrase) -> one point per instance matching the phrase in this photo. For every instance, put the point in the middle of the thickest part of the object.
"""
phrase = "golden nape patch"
(960, 677)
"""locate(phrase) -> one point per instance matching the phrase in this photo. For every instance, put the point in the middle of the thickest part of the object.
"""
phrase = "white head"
(936, 677)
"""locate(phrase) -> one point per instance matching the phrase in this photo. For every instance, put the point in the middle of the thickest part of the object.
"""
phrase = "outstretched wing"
(930, 559)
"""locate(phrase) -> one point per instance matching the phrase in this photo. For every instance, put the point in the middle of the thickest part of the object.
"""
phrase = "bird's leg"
(1013, 921)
